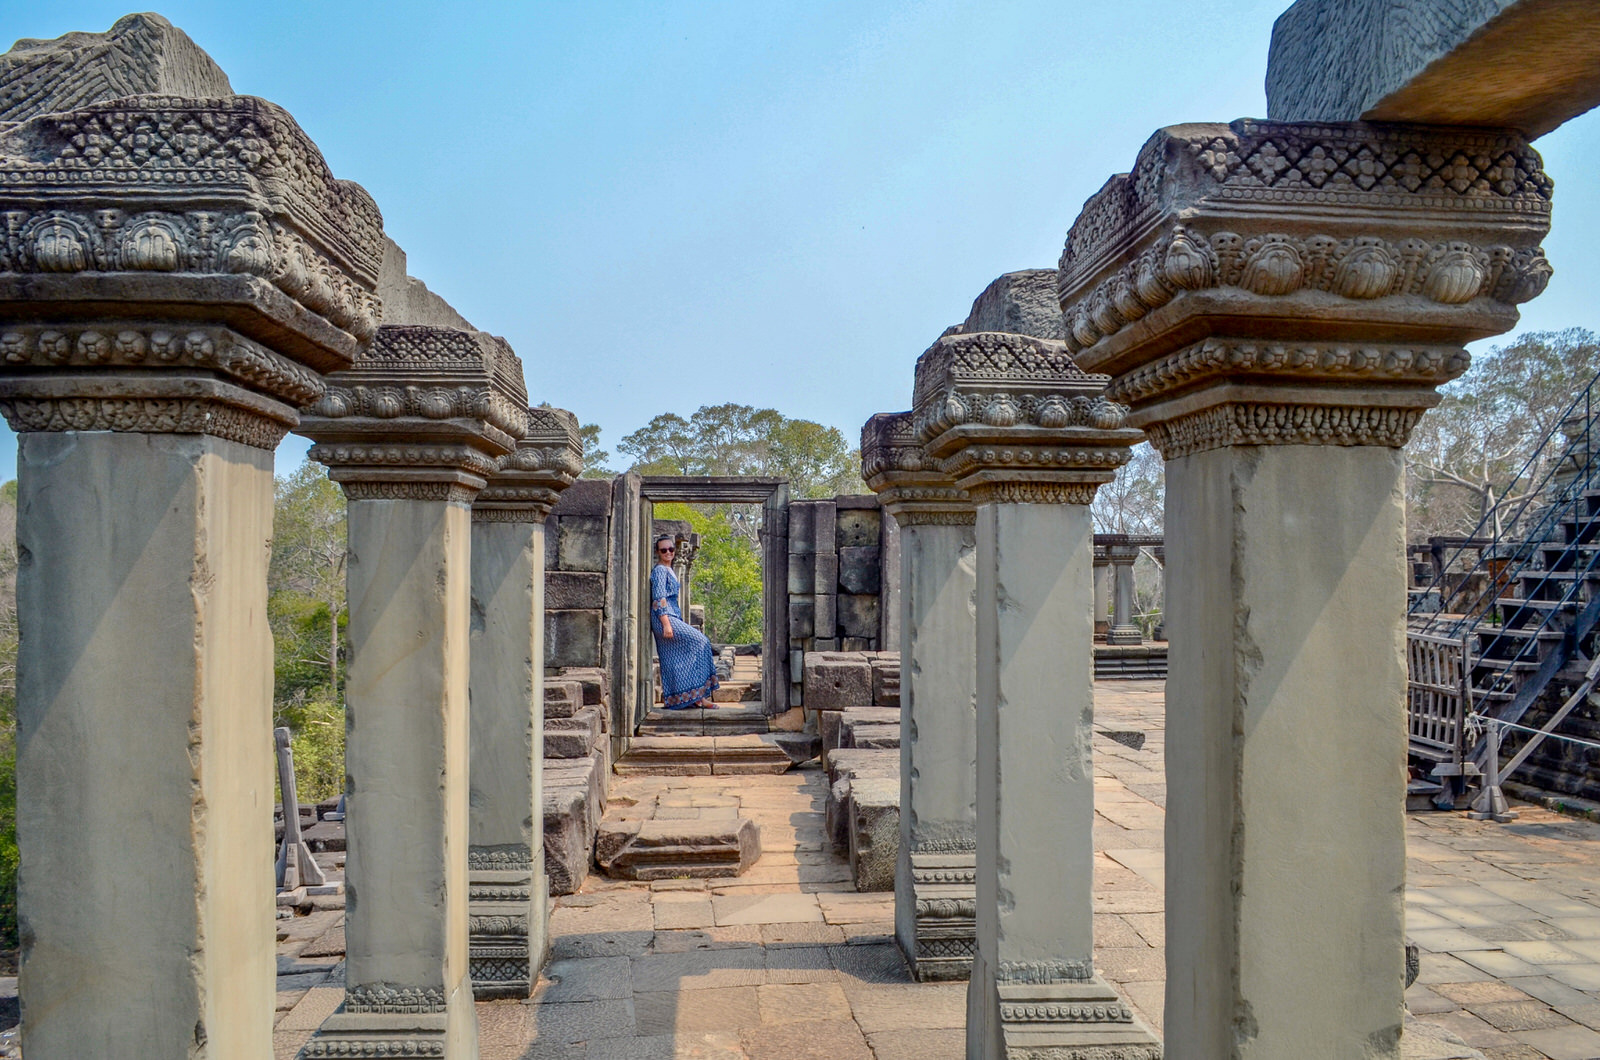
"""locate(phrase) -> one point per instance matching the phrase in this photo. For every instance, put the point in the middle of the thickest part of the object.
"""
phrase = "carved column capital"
(1013, 419)
(911, 486)
(546, 461)
(1266, 283)
(427, 413)
(177, 265)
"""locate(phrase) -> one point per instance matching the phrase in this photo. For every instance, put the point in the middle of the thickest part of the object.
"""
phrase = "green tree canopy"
(733, 439)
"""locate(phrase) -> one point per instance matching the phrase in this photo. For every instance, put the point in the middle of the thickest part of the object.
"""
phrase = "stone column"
(1278, 303)
(934, 878)
(411, 432)
(153, 348)
(1102, 593)
(508, 899)
(1161, 558)
(1123, 629)
(1026, 433)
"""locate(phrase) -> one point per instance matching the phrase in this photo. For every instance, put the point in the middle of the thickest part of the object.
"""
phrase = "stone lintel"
(1325, 236)
(1523, 64)
(213, 211)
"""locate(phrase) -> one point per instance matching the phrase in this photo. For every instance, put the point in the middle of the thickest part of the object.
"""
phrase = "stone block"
(874, 819)
(675, 849)
(142, 54)
(593, 681)
(802, 573)
(1521, 64)
(802, 527)
(872, 737)
(858, 527)
(861, 569)
(582, 542)
(572, 638)
(852, 501)
(834, 722)
(802, 617)
(834, 683)
(1022, 303)
(857, 616)
(587, 721)
(562, 698)
(574, 590)
(585, 774)
(825, 616)
(825, 644)
(886, 680)
(825, 525)
(587, 496)
(552, 536)
(568, 837)
(855, 644)
(827, 573)
(801, 747)
(560, 743)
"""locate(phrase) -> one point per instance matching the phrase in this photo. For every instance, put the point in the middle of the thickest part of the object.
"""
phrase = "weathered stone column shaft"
(144, 713)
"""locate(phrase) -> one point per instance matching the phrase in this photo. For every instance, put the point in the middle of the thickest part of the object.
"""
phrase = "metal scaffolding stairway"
(1489, 635)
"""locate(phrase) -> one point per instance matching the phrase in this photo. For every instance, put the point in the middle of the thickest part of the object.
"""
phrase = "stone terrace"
(789, 962)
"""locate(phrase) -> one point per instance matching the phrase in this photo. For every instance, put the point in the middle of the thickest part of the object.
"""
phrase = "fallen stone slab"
(568, 837)
(695, 848)
(801, 747)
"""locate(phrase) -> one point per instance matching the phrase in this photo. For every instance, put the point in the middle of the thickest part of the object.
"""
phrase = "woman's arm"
(666, 620)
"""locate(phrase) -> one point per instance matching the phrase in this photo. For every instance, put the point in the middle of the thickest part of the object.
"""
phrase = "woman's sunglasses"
(664, 551)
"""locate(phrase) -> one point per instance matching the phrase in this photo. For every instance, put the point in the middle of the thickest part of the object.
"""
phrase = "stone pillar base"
(507, 914)
(1083, 1020)
(1124, 635)
(345, 1034)
(946, 904)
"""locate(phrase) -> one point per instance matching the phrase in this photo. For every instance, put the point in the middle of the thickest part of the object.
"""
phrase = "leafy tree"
(1463, 457)
(726, 575)
(595, 458)
(306, 575)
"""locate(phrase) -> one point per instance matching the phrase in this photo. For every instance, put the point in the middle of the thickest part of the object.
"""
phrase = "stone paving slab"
(793, 966)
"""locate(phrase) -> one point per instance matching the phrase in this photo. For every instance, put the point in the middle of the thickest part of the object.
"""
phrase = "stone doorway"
(635, 650)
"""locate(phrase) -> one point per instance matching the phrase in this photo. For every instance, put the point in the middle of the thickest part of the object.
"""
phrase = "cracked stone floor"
(788, 962)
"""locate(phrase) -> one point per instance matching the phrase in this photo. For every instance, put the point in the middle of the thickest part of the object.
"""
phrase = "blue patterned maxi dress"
(688, 669)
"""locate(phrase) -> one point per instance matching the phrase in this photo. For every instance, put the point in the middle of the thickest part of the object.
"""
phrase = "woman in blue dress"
(688, 669)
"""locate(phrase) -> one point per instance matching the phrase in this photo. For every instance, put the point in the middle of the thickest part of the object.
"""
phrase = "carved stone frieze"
(1071, 1019)
(944, 887)
(1255, 423)
(154, 404)
(1013, 419)
(1273, 283)
(387, 997)
(224, 206)
(507, 857)
(424, 408)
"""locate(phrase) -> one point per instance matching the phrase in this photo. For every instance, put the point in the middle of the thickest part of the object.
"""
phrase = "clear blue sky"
(782, 204)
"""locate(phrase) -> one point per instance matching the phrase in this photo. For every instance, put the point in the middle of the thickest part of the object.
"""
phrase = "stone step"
(719, 721)
(678, 848)
(681, 756)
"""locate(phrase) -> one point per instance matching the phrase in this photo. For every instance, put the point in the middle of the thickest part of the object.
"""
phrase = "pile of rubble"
(577, 763)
